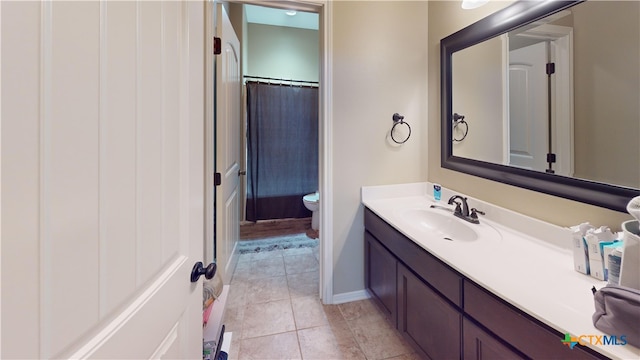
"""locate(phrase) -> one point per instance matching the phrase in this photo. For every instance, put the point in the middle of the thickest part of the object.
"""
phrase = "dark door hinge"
(217, 179)
(551, 68)
(217, 46)
(551, 158)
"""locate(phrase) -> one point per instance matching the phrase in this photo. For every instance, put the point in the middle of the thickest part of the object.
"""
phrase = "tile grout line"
(355, 338)
(293, 313)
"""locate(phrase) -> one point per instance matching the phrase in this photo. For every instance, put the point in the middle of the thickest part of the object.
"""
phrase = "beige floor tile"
(233, 319)
(242, 272)
(333, 314)
(342, 332)
(298, 251)
(267, 319)
(242, 258)
(303, 284)
(278, 346)
(359, 309)
(263, 268)
(266, 255)
(412, 356)
(377, 338)
(274, 293)
(237, 294)
(267, 289)
(308, 312)
(259, 269)
(322, 343)
(339, 326)
(372, 321)
(351, 352)
(297, 264)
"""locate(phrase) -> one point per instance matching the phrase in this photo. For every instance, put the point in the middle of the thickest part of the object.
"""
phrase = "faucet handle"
(458, 204)
(475, 212)
(458, 209)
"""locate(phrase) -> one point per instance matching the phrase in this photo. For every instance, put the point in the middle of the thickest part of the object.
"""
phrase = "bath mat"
(276, 243)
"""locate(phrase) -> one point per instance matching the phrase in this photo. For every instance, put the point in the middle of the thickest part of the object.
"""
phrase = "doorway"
(280, 82)
(324, 184)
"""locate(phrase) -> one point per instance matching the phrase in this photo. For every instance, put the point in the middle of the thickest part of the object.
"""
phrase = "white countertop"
(531, 266)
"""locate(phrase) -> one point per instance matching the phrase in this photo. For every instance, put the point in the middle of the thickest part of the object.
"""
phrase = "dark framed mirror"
(613, 195)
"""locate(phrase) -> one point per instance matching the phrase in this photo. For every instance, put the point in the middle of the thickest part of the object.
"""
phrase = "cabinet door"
(427, 321)
(380, 276)
(478, 344)
(512, 326)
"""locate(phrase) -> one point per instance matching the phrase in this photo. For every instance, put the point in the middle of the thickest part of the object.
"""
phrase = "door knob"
(242, 172)
(199, 269)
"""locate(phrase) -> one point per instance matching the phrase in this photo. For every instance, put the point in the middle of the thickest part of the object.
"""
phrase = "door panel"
(118, 170)
(149, 140)
(528, 107)
(20, 179)
(69, 172)
(102, 158)
(228, 118)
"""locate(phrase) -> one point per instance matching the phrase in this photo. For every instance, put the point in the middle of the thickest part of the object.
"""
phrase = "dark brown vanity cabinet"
(423, 297)
(380, 278)
(512, 326)
(478, 344)
(425, 319)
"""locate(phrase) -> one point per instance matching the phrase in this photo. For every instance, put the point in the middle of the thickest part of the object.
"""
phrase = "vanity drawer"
(528, 335)
(439, 275)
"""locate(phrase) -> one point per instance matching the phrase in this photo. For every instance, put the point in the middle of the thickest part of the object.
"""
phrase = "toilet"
(312, 202)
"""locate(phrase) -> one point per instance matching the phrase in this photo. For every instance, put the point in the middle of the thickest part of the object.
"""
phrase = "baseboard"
(350, 296)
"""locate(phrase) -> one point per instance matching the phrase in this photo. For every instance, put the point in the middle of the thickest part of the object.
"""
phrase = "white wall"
(282, 52)
(607, 55)
(478, 79)
(379, 57)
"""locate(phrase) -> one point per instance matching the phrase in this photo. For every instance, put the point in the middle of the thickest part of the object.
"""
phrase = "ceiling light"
(291, 12)
(472, 4)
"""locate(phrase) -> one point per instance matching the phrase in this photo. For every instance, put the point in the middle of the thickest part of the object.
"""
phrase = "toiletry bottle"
(437, 192)
(615, 260)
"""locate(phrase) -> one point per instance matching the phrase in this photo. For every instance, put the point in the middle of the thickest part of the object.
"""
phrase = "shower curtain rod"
(276, 79)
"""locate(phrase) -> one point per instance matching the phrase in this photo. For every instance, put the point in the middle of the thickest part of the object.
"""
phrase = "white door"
(227, 143)
(102, 179)
(528, 107)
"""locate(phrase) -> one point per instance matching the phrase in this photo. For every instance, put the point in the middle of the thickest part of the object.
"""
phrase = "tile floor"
(274, 312)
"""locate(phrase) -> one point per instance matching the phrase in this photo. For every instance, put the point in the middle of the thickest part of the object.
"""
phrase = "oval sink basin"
(446, 226)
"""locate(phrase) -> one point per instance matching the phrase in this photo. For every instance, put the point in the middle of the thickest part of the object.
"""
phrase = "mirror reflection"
(560, 95)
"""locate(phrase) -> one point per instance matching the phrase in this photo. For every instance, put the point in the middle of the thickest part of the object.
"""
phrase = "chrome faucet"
(462, 209)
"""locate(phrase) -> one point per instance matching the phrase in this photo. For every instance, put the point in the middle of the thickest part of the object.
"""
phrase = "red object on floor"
(206, 312)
